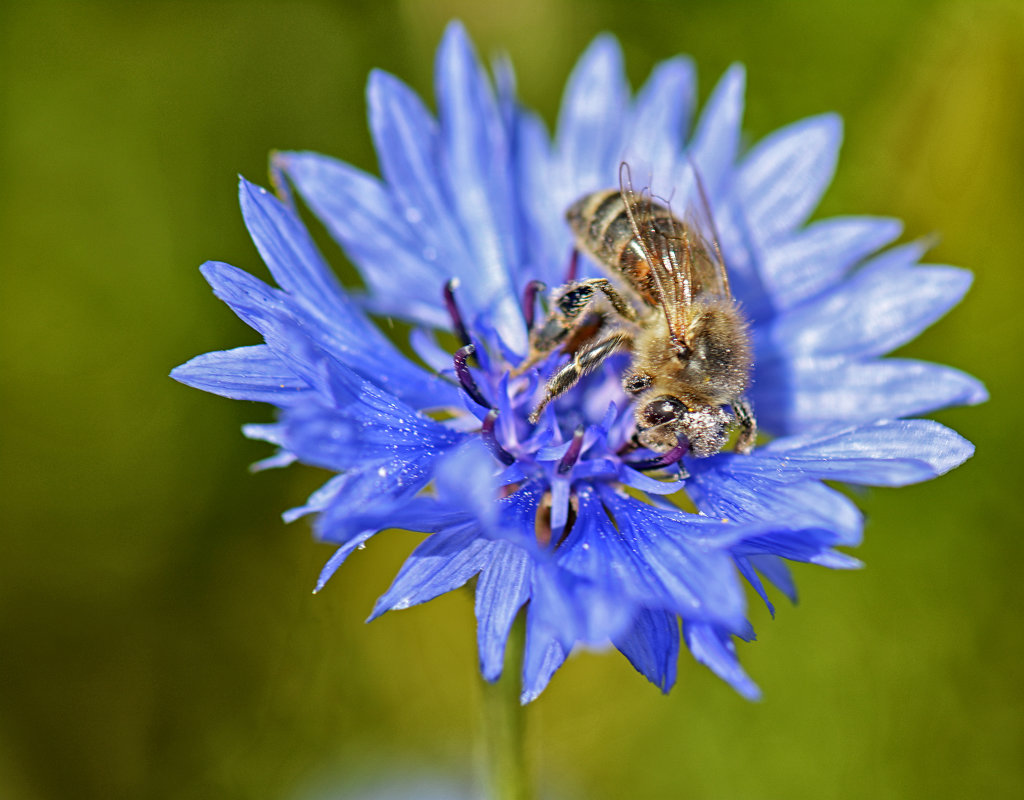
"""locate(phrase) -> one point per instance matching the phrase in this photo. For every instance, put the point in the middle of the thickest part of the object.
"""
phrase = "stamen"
(572, 455)
(665, 460)
(530, 301)
(466, 377)
(574, 262)
(453, 311)
(491, 441)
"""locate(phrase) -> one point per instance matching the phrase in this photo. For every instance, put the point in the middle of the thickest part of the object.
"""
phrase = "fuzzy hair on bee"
(668, 303)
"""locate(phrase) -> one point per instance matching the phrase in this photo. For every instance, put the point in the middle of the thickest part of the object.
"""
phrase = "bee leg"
(567, 313)
(585, 361)
(622, 308)
(748, 425)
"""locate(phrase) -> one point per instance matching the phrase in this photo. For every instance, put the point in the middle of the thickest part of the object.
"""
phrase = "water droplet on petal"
(413, 215)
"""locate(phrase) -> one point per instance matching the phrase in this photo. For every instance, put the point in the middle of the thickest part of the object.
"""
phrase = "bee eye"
(661, 410)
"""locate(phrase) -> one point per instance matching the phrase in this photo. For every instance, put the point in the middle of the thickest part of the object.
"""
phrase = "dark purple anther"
(491, 441)
(530, 301)
(574, 263)
(453, 311)
(571, 456)
(466, 377)
(664, 460)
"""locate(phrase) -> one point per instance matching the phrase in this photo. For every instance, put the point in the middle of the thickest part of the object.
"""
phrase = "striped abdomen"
(602, 229)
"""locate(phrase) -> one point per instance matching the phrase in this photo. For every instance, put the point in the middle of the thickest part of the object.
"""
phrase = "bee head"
(665, 421)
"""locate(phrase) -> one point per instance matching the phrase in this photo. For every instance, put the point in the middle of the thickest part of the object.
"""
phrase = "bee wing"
(707, 264)
(670, 265)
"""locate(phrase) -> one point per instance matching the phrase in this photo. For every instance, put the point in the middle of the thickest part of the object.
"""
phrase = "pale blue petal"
(542, 657)
(745, 488)
(245, 373)
(875, 312)
(340, 555)
(577, 609)
(318, 501)
(476, 160)
(272, 314)
(590, 122)
(815, 258)
(409, 149)
(661, 114)
(750, 575)
(370, 428)
(775, 570)
(652, 646)
(693, 580)
(501, 590)
(888, 453)
(445, 561)
(815, 392)
(373, 496)
(364, 218)
(783, 178)
(541, 206)
(716, 140)
(716, 650)
(303, 340)
(294, 261)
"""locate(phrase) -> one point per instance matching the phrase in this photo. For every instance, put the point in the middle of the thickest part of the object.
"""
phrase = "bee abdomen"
(602, 229)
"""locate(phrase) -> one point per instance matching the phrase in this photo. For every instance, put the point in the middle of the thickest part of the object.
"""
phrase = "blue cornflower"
(566, 517)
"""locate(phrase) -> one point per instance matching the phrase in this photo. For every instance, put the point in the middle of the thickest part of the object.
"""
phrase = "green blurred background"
(159, 638)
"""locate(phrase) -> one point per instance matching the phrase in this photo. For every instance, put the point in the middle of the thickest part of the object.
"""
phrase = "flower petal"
(545, 236)
(542, 657)
(302, 339)
(814, 392)
(888, 453)
(875, 312)
(715, 649)
(717, 137)
(340, 556)
(745, 488)
(775, 570)
(783, 178)
(589, 132)
(649, 556)
(371, 427)
(476, 161)
(245, 373)
(444, 561)
(577, 609)
(374, 496)
(813, 259)
(751, 577)
(366, 221)
(294, 261)
(652, 646)
(661, 113)
(501, 590)
(409, 149)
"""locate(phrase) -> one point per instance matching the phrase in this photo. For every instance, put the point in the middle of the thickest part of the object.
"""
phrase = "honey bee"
(673, 311)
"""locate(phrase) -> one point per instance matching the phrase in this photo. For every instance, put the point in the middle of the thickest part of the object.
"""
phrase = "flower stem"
(504, 722)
